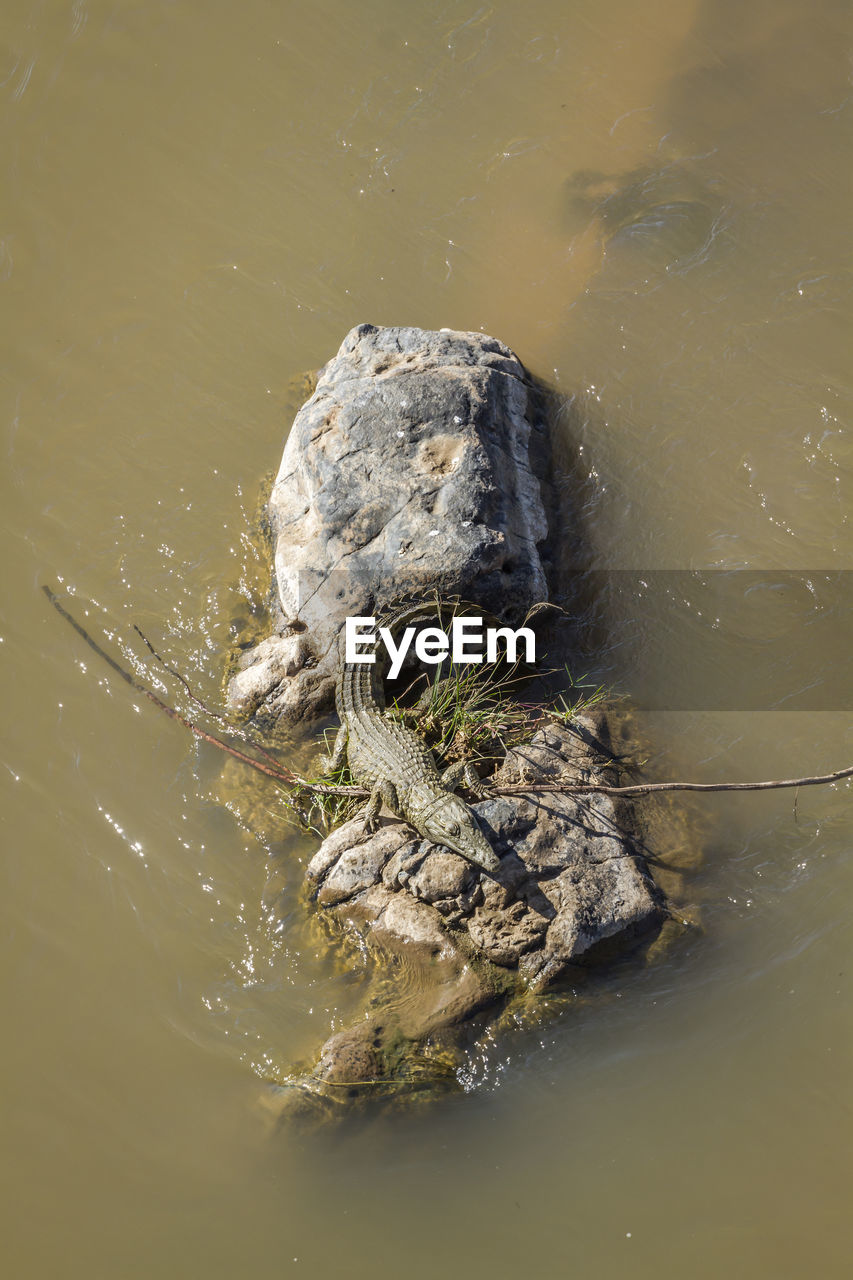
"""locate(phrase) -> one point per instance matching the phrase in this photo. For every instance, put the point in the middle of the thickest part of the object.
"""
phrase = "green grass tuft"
(474, 714)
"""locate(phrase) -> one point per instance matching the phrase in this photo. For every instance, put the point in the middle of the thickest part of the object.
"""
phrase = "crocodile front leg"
(463, 771)
(383, 790)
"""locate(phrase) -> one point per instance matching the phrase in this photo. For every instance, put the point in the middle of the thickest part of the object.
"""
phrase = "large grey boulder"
(572, 888)
(408, 469)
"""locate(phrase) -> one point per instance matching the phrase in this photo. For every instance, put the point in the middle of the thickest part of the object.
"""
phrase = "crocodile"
(398, 766)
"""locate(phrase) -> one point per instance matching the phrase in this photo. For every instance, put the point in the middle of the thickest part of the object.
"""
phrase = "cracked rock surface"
(572, 886)
(408, 469)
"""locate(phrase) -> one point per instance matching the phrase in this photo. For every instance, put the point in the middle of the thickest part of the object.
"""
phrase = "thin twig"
(288, 778)
(214, 715)
(582, 788)
(280, 774)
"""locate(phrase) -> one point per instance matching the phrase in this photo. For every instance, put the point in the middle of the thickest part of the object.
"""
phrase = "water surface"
(651, 205)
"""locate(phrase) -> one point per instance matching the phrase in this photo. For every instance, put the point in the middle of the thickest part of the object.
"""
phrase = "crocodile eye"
(454, 828)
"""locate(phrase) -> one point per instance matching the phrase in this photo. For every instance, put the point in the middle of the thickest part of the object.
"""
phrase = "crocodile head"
(451, 823)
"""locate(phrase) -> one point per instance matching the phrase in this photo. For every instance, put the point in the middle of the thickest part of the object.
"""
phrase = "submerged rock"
(407, 470)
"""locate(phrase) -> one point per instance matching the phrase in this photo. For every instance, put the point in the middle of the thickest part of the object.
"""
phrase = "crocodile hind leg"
(335, 760)
(383, 790)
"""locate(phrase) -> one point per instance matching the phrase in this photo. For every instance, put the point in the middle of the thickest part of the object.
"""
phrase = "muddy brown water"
(650, 203)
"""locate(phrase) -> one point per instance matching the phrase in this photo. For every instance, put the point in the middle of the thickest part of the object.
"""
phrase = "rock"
(419, 465)
(267, 666)
(342, 866)
(572, 886)
(503, 934)
(407, 926)
(407, 470)
(446, 881)
(352, 1056)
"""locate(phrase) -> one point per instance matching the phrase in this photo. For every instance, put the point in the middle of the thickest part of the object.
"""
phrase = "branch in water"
(272, 772)
(640, 789)
(214, 715)
(288, 778)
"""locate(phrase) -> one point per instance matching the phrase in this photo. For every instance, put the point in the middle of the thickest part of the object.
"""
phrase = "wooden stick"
(279, 775)
(639, 789)
(202, 706)
(290, 779)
